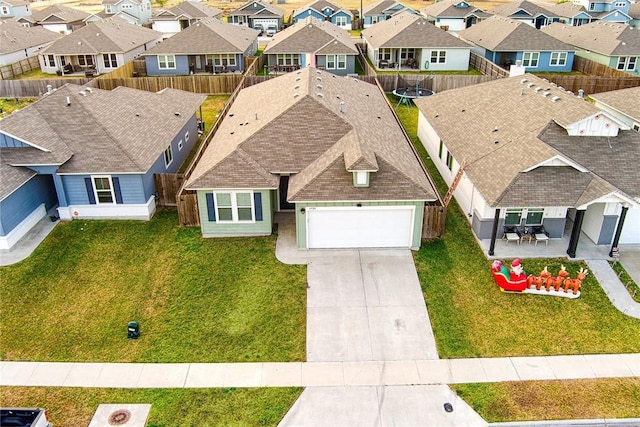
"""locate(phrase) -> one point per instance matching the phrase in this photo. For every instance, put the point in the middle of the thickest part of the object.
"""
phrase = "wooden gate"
(188, 209)
(167, 187)
(433, 222)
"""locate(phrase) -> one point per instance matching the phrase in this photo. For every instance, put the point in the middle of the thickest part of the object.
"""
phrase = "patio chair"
(540, 234)
(511, 234)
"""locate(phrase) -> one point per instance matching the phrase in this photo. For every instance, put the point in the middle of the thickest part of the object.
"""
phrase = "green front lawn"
(472, 318)
(169, 407)
(197, 300)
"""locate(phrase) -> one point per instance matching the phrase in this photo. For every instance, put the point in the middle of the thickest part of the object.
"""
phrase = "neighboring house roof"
(450, 9)
(500, 34)
(611, 39)
(318, 127)
(410, 30)
(257, 7)
(515, 8)
(187, 10)
(382, 7)
(58, 14)
(15, 37)
(207, 36)
(112, 35)
(15, 2)
(120, 131)
(634, 10)
(118, 1)
(312, 35)
(320, 5)
(501, 129)
(566, 10)
(626, 101)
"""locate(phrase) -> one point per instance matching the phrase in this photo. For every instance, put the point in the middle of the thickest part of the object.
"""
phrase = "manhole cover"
(119, 417)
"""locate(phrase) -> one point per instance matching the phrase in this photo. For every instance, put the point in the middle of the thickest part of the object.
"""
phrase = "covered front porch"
(399, 58)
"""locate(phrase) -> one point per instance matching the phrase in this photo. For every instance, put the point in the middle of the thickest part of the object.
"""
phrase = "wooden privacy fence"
(187, 206)
(218, 84)
(167, 187)
(34, 88)
(23, 66)
(486, 67)
(593, 68)
(591, 84)
(433, 222)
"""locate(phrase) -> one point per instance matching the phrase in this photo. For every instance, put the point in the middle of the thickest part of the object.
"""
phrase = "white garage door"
(631, 228)
(364, 227)
(265, 22)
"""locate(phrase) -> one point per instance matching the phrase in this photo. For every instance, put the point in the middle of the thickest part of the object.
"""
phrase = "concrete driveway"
(366, 305)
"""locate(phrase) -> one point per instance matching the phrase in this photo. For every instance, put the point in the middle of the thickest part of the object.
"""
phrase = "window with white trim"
(449, 161)
(438, 56)
(592, 6)
(534, 216)
(341, 21)
(512, 217)
(186, 136)
(85, 60)
(4, 10)
(126, 6)
(558, 59)
(168, 156)
(331, 62)
(384, 54)
(222, 60)
(342, 62)
(234, 206)
(530, 59)
(636, 127)
(288, 59)
(166, 62)
(627, 63)
(103, 189)
(620, 4)
(50, 60)
(110, 60)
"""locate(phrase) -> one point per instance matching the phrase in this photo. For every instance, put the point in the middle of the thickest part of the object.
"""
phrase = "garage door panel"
(360, 227)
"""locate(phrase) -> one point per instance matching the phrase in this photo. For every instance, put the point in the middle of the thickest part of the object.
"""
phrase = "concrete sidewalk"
(613, 287)
(318, 374)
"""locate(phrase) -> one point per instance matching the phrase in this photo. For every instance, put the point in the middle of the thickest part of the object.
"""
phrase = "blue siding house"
(381, 11)
(95, 158)
(607, 10)
(506, 42)
(326, 11)
(208, 46)
(14, 8)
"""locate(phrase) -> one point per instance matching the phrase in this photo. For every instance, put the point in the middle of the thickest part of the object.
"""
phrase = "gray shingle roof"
(15, 37)
(500, 34)
(256, 7)
(627, 101)
(12, 178)
(320, 5)
(312, 35)
(510, 8)
(495, 127)
(207, 36)
(112, 35)
(448, 9)
(407, 29)
(380, 7)
(634, 10)
(188, 10)
(59, 14)
(615, 160)
(304, 132)
(610, 39)
(118, 1)
(119, 131)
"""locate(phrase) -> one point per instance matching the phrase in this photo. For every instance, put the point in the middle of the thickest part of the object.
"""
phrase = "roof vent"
(177, 114)
(83, 93)
(538, 89)
(296, 87)
(295, 95)
(88, 89)
(319, 79)
(580, 93)
(555, 99)
(318, 72)
(547, 93)
(531, 84)
(523, 81)
(343, 108)
(495, 129)
(319, 86)
(319, 95)
(68, 101)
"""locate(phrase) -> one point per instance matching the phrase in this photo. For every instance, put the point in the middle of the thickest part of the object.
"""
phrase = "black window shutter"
(116, 189)
(211, 208)
(89, 185)
(257, 203)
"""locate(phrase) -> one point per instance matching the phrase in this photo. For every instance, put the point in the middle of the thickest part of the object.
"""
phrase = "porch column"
(575, 233)
(616, 238)
(494, 232)
(62, 198)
